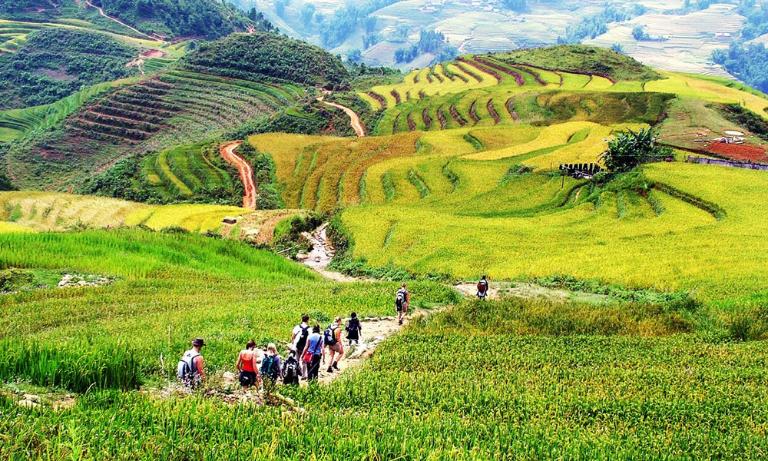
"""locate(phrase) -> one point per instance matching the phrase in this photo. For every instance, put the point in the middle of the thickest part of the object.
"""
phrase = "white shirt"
(297, 333)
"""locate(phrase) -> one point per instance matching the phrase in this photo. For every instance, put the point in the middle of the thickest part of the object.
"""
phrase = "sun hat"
(198, 342)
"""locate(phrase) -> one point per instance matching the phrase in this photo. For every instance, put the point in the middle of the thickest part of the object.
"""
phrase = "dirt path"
(227, 151)
(354, 119)
(321, 255)
(101, 12)
(532, 290)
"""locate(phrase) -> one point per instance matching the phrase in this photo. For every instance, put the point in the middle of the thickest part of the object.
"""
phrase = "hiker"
(313, 352)
(353, 329)
(291, 369)
(271, 366)
(402, 302)
(332, 339)
(191, 367)
(482, 288)
(247, 365)
(299, 342)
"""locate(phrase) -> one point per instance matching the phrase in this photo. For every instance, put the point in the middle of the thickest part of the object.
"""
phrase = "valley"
(167, 185)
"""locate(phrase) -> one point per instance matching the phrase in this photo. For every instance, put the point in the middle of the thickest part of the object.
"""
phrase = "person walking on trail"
(332, 338)
(291, 369)
(191, 368)
(271, 366)
(247, 365)
(353, 329)
(402, 302)
(482, 288)
(313, 352)
(299, 342)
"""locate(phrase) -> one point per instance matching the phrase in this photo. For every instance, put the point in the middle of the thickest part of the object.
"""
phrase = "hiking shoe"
(336, 365)
(330, 369)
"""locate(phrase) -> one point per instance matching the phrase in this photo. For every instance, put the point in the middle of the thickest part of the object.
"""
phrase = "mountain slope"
(210, 93)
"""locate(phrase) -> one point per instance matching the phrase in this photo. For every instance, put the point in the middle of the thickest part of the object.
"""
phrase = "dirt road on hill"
(227, 152)
(102, 13)
(354, 119)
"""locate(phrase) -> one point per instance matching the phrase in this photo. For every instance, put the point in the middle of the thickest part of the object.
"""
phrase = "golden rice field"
(522, 229)
(49, 211)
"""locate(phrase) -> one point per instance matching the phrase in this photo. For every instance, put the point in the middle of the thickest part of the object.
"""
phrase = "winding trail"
(374, 329)
(354, 119)
(227, 152)
(111, 18)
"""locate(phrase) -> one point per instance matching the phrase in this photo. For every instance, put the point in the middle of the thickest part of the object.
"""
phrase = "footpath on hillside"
(354, 119)
(111, 18)
(245, 171)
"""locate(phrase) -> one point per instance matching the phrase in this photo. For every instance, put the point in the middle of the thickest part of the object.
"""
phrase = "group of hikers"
(308, 349)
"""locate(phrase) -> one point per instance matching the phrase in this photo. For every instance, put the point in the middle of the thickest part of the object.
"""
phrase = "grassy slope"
(169, 288)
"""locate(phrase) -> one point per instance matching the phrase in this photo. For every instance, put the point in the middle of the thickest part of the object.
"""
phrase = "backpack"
(186, 370)
(302, 342)
(329, 336)
(482, 286)
(400, 298)
(291, 374)
(269, 366)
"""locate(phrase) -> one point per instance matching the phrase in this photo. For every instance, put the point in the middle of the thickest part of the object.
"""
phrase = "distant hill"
(162, 18)
(270, 56)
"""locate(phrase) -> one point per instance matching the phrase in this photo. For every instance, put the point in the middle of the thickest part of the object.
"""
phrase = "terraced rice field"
(46, 211)
(14, 33)
(177, 107)
(183, 171)
(506, 93)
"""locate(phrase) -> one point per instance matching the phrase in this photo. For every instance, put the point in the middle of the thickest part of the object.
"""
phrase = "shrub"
(628, 149)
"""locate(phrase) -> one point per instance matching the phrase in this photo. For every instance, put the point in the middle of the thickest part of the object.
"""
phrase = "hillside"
(147, 19)
(207, 95)
(54, 63)
(269, 56)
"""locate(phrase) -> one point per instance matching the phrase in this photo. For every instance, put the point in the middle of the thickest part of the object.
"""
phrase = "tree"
(354, 56)
(640, 34)
(628, 149)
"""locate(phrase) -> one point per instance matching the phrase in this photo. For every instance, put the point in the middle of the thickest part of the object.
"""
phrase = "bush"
(629, 149)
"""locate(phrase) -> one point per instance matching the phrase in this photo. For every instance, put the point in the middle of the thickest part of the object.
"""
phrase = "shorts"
(401, 307)
(338, 347)
(247, 378)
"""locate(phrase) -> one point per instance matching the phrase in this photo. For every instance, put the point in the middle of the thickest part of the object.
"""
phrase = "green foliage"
(271, 57)
(264, 175)
(747, 62)
(592, 26)
(629, 149)
(197, 18)
(55, 63)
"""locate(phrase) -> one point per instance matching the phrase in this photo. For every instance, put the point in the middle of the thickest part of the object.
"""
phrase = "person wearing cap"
(191, 369)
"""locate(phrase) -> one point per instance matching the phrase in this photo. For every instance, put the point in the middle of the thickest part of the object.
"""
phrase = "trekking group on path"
(309, 349)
